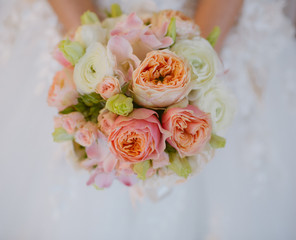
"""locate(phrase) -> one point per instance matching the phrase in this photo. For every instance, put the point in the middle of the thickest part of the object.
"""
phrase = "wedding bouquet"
(140, 99)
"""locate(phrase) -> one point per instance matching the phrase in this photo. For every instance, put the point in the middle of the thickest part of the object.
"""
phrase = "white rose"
(91, 68)
(202, 58)
(87, 34)
(220, 104)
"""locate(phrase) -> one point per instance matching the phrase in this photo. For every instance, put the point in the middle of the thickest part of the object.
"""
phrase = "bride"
(244, 193)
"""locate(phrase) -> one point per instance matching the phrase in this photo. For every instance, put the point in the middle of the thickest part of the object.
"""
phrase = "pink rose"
(70, 122)
(106, 120)
(138, 137)
(108, 87)
(86, 134)
(190, 128)
(62, 93)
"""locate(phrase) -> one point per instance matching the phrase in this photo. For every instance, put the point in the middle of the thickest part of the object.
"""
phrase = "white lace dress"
(246, 192)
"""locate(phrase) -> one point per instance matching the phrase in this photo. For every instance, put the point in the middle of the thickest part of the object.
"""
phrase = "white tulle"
(246, 192)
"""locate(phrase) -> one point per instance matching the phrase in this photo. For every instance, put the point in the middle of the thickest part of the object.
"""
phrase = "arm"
(69, 11)
(211, 13)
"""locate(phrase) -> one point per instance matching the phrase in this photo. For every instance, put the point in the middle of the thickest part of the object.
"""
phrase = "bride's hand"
(211, 13)
(69, 11)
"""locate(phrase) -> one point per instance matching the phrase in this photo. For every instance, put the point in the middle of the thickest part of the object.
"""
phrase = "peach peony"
(138, 137)
(161, 80)
(190, 128)
(62, 93)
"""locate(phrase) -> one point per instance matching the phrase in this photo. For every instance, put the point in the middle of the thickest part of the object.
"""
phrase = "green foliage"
(115, 10)
(179, 165)
(79, 151)
(172, 29)
(214, 35)
(61, 135)
(124, 88)
(169, 148)
(141, 168)
(217, 141)
(89, 105)
(72, 51)
(89, 17)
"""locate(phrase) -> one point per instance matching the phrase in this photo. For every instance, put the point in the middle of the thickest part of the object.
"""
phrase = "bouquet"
(140, 99)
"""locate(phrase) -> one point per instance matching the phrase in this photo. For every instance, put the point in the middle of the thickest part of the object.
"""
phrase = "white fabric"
(246, 192)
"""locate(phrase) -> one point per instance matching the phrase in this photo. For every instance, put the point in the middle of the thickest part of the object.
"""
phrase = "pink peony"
(126, 61)
(142, 38)
(70, 122)
(138, 137)
(190, 128)
(103, 163)
(98, 153)
(185, 27)
(62, 93)
(108, 87)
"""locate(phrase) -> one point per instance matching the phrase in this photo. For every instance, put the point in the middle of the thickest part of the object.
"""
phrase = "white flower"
(89, 33)
(90, 70)
(202, 58)
(220, 104)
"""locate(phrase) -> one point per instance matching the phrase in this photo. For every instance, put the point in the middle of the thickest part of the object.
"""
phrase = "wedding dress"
(246, 192)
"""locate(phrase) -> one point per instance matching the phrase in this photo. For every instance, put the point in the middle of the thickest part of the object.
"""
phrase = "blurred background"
(246, 192)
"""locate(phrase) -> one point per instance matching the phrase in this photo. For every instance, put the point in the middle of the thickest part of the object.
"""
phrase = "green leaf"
(89, 18)
(72, 51)
(61, 135)
(91, 99)
(124, 88)
(169, 148)
(89, 105)
(68, 110)
(141, 168)
(115, 10)
(217, 141)
(213, 36)
(79, 151)
(172, 29)
(94, 113)
(97, 188)
(108, 14)
(179, 165)
(80, 107)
